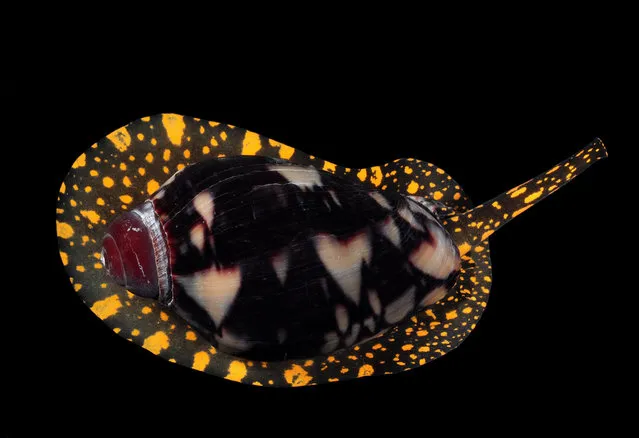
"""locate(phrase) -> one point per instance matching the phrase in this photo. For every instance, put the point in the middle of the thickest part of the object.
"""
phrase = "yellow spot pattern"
(91, 215)
(108, 182)
(365, 370)
(552, 170)
(251, 143)
(464, 248)
(121, 139)
(152, 186)
(362, 175)
(285, 151)
(297, 376)
(487, 234)
(530, 198)
(81, 161)
(64, 230)
(521, 210)
(329, 167)
(106, 307)
(174, 126)
(200, 360)
(190, 335)
(518, 192)
(376, 177)
(156, 342)
(412, 187)
(237, 371)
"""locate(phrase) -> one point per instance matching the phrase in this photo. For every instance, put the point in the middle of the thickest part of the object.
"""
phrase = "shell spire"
(478, 224)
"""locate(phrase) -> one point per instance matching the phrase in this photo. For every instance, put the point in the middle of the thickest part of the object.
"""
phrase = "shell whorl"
(274, 260)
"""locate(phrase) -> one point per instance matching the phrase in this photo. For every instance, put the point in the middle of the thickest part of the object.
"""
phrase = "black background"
(548, 333)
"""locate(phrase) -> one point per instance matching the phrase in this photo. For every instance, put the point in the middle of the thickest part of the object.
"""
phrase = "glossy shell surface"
(271, 260)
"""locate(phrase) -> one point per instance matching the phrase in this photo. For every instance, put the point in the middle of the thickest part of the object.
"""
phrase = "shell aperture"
(128, 165)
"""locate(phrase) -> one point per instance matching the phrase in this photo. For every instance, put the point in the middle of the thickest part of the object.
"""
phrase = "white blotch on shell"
(408, 216)
(438, 260)
(331, 340)
(398, 309)
(280, 266)
(343, 261)
(281, 335)
(203, 204)
(352, 337)
(214, 290)
(370, 323)
(341, 316)
(198, 236)
(335, 198)
(303, 177)
(373, 300)
(381, 200)
(233, 343)
(389, 229)
(433, 296)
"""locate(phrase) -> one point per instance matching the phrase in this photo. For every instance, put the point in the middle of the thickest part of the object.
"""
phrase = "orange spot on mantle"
(236, 371)
(106, 307)
(156, 342)
(365, 370)
(297, 376)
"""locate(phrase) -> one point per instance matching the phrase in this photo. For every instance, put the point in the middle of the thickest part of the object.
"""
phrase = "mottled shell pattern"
(123, 169)
(273, 260)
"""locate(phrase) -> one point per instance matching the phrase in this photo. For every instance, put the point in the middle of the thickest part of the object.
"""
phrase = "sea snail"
(261, 264)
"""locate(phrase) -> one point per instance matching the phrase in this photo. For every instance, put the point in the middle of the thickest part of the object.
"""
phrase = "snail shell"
(272, 260)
